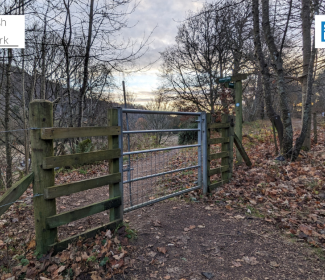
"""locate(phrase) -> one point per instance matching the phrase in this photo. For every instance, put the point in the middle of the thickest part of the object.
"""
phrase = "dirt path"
(227, 245)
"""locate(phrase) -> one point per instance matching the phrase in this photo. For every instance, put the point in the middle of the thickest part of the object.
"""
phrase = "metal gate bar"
(159, 199)
(161, 149)
(160, 174)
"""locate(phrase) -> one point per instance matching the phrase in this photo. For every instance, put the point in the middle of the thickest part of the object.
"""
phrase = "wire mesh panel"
(157, 162)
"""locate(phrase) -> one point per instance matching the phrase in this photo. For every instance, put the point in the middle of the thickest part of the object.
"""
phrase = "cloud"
(162, 18)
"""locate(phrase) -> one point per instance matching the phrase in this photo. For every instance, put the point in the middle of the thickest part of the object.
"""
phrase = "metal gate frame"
(202, 153)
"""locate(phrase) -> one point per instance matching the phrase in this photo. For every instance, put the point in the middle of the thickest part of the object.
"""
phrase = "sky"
(162, 18)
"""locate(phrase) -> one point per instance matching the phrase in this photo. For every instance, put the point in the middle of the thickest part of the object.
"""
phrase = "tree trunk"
(306, 43)
(86, 63)
(278, 67)
(306, 121)
(7, 124)
(265, 73)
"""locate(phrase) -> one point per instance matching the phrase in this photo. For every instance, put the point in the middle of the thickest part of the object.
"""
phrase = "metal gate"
(155, 174)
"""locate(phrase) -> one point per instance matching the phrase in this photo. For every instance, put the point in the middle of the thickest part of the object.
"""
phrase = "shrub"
(188, 137)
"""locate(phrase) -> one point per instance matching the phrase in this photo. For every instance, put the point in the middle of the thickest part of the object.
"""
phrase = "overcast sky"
(164, 16)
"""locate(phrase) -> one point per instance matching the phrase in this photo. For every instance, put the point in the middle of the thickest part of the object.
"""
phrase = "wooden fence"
(43, 164)
(226, 154)
(227, 139)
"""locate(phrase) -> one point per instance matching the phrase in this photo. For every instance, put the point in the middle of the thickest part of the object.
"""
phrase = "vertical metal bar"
(128, 137)
(120, 143)
(205, 152)
(199, 151)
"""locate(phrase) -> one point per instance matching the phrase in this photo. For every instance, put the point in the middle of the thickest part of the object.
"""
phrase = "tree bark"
(7, 123)
(306, 121)
(306, 43)
(272, 115)
(278, 67)
(86, 63)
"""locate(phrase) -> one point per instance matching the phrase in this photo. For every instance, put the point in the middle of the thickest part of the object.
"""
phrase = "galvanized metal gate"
(155, 174)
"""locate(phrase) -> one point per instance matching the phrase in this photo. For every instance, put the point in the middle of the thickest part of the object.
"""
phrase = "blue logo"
(323, 31)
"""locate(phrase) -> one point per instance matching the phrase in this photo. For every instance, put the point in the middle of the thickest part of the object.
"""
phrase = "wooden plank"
(15, 192)
(231, 146)
(208, 131)
(239, 77)
(218, 155)
(239, 117)
(71, 132)
(115, 189)
(77, 159)
(41, 115)
(225, 148)
(215, 185)
(77, 214)
(242, 150)
(59, 246)
(66, 189)
(218, 140)
(218, 125)
(218, 170)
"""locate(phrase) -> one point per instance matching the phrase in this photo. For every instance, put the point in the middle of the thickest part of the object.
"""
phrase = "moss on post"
(113, 143)
(41, 115)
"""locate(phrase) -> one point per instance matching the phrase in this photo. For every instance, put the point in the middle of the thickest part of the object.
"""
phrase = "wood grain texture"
(66, 189)
(78, 159)
(59, 246)
(218, 155)
(215, 185)
(77, 214)
(218, 140)
(41, 115)
(242, 150)
(219, 170)
(113, 143)
(15, 192)
(71, 132)
(218, 125)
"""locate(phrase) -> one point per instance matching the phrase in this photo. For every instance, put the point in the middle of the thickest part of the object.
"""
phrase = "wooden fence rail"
(226, 154)
(11, 195)
(43, 164)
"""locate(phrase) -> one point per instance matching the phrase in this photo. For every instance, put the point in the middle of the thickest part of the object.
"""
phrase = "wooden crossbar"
(71, 132)
(59, 246)
(218, 140)
(218, 170)
(77, 214)
(218, 155)
(15, 192)
(218, 125)
(66, 189)
(76, 159)
(242, 150)
(215, 185)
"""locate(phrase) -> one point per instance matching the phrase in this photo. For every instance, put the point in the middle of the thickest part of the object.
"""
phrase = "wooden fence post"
(41, 115)
(239, 116)
(315, 127)
(208, 146)
(114, 165)
(225, 148)
(231, 145)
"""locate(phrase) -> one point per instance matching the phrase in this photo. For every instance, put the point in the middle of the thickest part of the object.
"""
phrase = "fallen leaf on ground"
(236, 264)
(274, 264)
(250, 260)
(162, 250)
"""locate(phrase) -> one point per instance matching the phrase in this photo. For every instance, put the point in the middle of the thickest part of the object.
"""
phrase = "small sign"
(237, 104)
(320, 31)
(12, 32)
